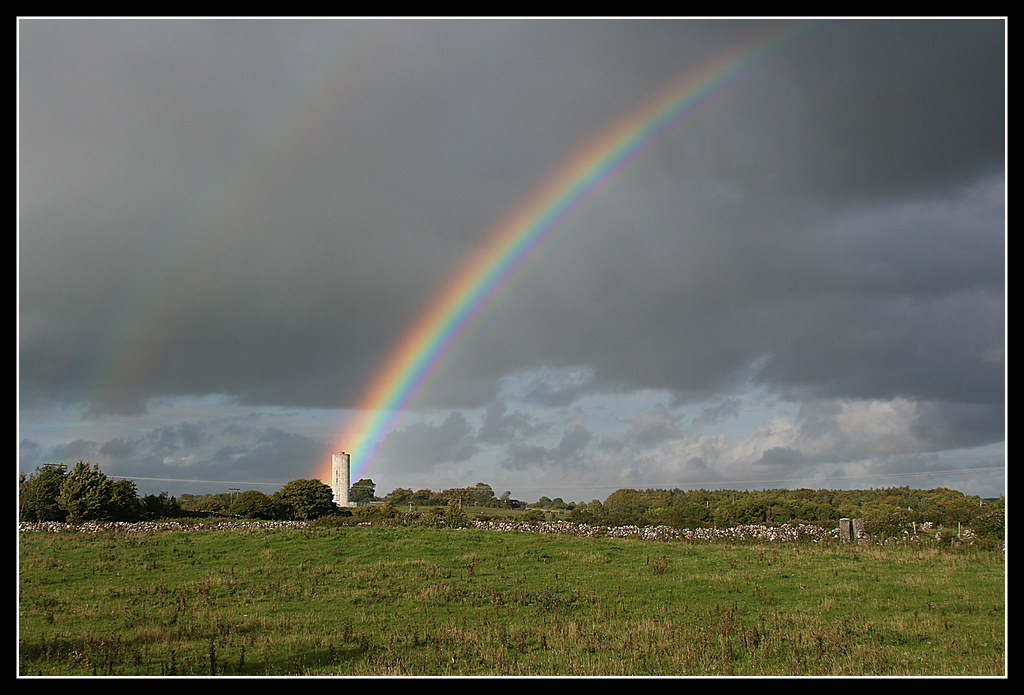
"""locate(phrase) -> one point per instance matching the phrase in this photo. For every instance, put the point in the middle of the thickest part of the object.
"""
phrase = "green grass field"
(390, 601)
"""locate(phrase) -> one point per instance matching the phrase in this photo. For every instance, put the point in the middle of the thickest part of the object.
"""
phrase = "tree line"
(479, 495)
(886, 509)
(362, 492)
(85, 493)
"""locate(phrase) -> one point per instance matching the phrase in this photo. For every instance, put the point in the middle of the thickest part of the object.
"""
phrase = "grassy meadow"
(412, 601)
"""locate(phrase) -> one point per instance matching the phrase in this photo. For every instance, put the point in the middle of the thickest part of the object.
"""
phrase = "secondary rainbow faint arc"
(423, 347)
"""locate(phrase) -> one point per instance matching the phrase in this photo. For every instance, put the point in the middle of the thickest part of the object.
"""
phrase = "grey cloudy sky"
(226, 224)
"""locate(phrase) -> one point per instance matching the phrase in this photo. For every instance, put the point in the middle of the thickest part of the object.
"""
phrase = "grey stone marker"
(845, 529)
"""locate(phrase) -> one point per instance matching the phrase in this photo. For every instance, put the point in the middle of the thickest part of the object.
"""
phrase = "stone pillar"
(858, 529)
(845, 529)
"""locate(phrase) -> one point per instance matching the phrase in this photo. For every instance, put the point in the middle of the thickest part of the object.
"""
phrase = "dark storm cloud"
(274, 455)
(859, 307)
(551, 387)
(423, 445)
(189, 451)
(173, 438)
(654, 427)
(574, 440)
(78, 450)
(258, 209)
(225, 197)
(568, 452)
(522, 457)
(903, 108)
(500, 426)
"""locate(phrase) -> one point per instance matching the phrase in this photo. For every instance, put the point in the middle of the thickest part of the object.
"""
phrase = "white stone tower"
(340, 478)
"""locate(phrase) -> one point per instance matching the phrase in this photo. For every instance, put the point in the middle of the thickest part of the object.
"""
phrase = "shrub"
(455, 516)
(343, 517)
(375, 513)
(253, 504)
(889, 525)
(429, 517)
(991, 523)
(532, 516)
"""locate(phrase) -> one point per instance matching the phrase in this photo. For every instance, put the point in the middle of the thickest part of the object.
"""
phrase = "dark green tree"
(400, 495)
(482, 496)
(589, 513)
(688, 515)
(952, 511)
(362, 491)
(624, 507)
(253, 504)
(124, 501)
(158, 507)
(38, 493)
(424, 497)
(86, 494)
(214, 502)
(306, 499)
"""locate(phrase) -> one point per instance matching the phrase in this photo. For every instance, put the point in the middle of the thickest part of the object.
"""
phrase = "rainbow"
(424, 346)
